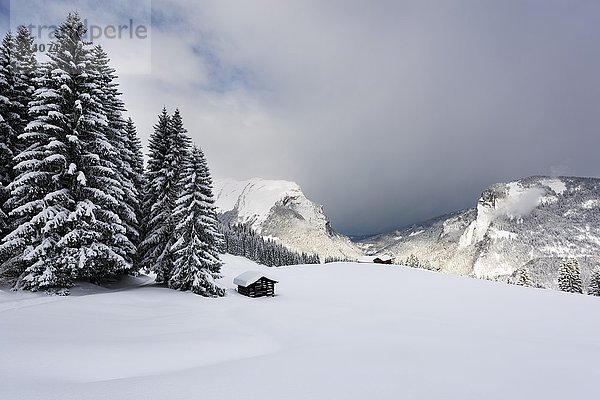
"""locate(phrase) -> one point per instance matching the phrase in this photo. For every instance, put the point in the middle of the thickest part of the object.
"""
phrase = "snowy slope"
(339, 331)
(534, 221)
(279, 209)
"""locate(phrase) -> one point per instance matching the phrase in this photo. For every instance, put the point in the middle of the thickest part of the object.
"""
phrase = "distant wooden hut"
(376, 259)
(255, 284)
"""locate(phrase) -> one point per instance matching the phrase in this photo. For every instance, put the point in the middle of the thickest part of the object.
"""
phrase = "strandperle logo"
(123, 29)
(129, 30)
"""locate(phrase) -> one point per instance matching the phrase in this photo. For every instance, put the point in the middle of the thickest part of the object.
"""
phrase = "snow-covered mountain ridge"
(534, 221)
(278, 209)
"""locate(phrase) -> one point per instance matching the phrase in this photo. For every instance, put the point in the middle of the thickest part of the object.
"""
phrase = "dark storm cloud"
(387, 113)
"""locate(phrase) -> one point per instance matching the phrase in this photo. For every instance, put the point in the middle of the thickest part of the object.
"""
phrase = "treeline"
(414, 262)
(242, 240)
(569, 278)
(75, 201)
(331, 259)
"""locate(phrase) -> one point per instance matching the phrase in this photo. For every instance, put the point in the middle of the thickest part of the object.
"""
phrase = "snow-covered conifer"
(18, 69)
(197, 239)
(8, 135)
(25, 81)
(120, 156)
(136, 163)
(569, 277)
(413, 261)
(594, 288)
(524, 277)
(66, 196)
(180, 144)
(168, 148)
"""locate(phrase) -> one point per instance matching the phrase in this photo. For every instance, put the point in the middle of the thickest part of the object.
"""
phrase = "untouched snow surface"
(335, 331)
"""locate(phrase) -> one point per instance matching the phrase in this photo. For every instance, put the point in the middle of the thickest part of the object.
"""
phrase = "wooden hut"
(376, 259)
(254, 284)
(383, 260)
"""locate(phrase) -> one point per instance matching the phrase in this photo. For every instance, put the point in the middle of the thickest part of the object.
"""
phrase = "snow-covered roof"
(371, 259)
(366, 259)
(249, 277)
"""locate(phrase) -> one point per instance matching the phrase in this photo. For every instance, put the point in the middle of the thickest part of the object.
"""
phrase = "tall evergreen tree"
(155, 204)
(18, 70)
(413, 261)
(8, 135)
(136, 163)
(180, 145)
(121, 156)
(168, 148)
(594, 288)
(196, 235)
(25, 80)
(569, 277)
(66, 196)
(524, 277)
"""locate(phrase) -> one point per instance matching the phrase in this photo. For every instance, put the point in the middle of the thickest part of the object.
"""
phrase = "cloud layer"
(386, 112)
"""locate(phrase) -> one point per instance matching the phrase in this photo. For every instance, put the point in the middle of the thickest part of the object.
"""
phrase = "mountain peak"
(278, 209)
(252, 199)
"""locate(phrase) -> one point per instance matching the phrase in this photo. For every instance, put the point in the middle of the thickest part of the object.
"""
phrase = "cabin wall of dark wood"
(260, 288)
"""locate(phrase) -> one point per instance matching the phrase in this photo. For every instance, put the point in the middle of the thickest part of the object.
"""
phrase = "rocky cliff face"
(279, 210)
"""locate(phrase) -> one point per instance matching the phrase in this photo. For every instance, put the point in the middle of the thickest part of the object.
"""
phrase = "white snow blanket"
(335, 331)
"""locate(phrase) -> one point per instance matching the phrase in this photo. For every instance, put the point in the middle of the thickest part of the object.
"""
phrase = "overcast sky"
(385, 112)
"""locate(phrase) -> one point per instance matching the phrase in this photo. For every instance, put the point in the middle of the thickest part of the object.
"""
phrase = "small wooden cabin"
(383, 260)
(376, 259)
(255, 284)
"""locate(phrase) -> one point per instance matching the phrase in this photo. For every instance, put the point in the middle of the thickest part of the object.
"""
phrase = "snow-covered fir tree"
(569, 276)
(12, 146)
(136, 163)
(25, 71)
(66, 196)
(196, 236)
(121, 156)
(158, 200)
(18, 69)
(168, 148)
(7, 134)
(523, 277)
(180, 144)
(426, 264)
(594, 288)
(413, 261)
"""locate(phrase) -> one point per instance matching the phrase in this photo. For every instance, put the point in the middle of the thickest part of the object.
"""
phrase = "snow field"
(335, 331)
